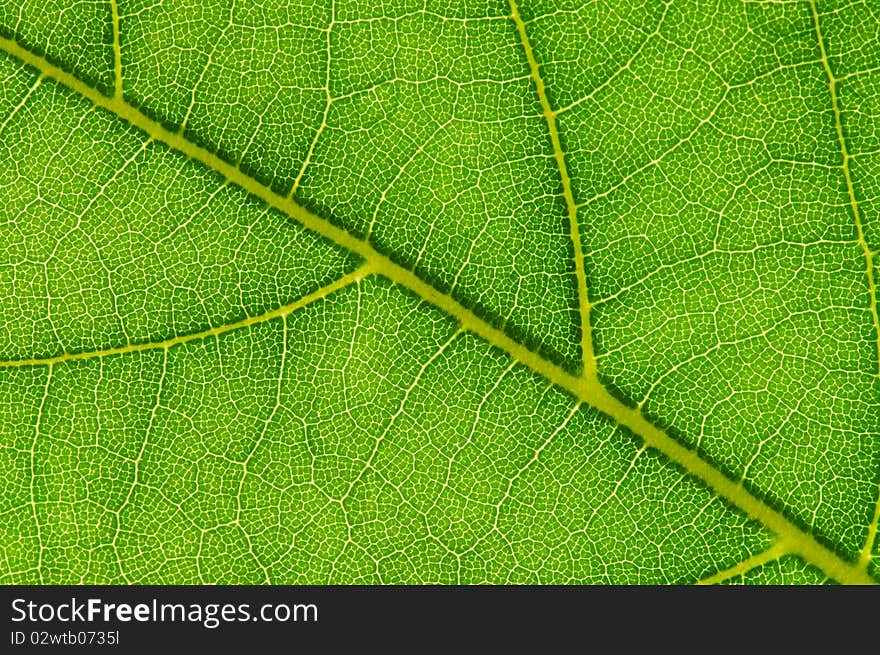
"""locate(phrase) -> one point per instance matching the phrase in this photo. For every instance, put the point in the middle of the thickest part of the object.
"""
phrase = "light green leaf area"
(459, 292)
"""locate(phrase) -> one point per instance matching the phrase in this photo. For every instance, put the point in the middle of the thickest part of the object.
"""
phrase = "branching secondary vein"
(586, 388)
(589, 360)
(117, 51)
(279, 312)
(865, 555)
(773, 553)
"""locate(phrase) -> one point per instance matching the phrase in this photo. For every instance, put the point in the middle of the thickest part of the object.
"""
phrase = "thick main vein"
(589, 360)
(865, 555)
(586, 389)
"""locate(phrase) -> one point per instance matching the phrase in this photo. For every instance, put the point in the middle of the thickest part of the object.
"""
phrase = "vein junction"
(280, 312)
(589, 360)
(586, 388)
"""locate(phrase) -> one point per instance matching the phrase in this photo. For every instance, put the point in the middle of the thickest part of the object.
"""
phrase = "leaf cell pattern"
(459, 292)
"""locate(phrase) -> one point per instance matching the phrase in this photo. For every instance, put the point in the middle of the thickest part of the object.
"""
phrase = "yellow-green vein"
(117, 51)
(585, 388)
(279, 312)
(865, 556)
(773, 553)
(589, 360)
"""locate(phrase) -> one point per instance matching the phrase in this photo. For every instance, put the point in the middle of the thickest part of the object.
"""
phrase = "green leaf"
(553, 292)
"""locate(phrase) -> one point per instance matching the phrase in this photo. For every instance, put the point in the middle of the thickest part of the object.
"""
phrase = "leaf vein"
(865, 555)
(278, 312)
(585, 388)
(589, 360)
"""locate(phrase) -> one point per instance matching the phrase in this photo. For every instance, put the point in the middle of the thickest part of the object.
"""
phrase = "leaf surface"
(439, 292)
